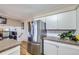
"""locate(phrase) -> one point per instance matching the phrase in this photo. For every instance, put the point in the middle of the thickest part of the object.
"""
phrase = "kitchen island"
(9, 47)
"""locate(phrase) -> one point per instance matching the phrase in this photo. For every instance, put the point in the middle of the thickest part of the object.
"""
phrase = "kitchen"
(61, 33)
(10, 35)
(48, 29)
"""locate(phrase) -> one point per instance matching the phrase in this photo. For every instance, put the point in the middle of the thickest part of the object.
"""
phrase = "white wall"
(24, 36)
(13, 22)
(25, 32)
(17, 24)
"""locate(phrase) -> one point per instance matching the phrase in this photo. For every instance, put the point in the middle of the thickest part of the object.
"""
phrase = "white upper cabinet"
(51, 22)
(67, 20)
(77, 30)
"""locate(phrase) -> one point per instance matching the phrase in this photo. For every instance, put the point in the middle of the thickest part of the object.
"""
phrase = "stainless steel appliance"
(36, 32)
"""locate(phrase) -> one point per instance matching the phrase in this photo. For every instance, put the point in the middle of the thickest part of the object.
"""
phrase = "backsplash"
(55, 33)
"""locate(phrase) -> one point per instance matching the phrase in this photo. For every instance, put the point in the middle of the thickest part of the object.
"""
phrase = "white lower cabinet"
(65, 50)
(50, 48)
(54, 48)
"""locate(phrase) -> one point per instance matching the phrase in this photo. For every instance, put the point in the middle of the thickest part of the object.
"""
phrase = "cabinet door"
(77, 30)
(51, 22)
(49, 48)
(66, 50)
(67, 20)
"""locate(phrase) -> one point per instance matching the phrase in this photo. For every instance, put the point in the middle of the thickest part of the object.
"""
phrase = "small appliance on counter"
(13, 35)
(35, 43)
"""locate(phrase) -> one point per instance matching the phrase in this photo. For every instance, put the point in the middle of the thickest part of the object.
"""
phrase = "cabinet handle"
(57, 46)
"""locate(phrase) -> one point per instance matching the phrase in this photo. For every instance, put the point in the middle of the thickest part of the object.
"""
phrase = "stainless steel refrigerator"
(35, 39)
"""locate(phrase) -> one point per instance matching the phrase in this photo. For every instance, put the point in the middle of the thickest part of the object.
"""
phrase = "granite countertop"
(8, 44)
(62, 41)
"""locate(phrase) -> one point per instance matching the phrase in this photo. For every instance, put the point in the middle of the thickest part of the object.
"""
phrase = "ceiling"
(22, 11)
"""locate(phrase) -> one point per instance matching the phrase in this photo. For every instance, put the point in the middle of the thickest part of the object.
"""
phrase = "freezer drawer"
(29, 47)
(35, 49)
